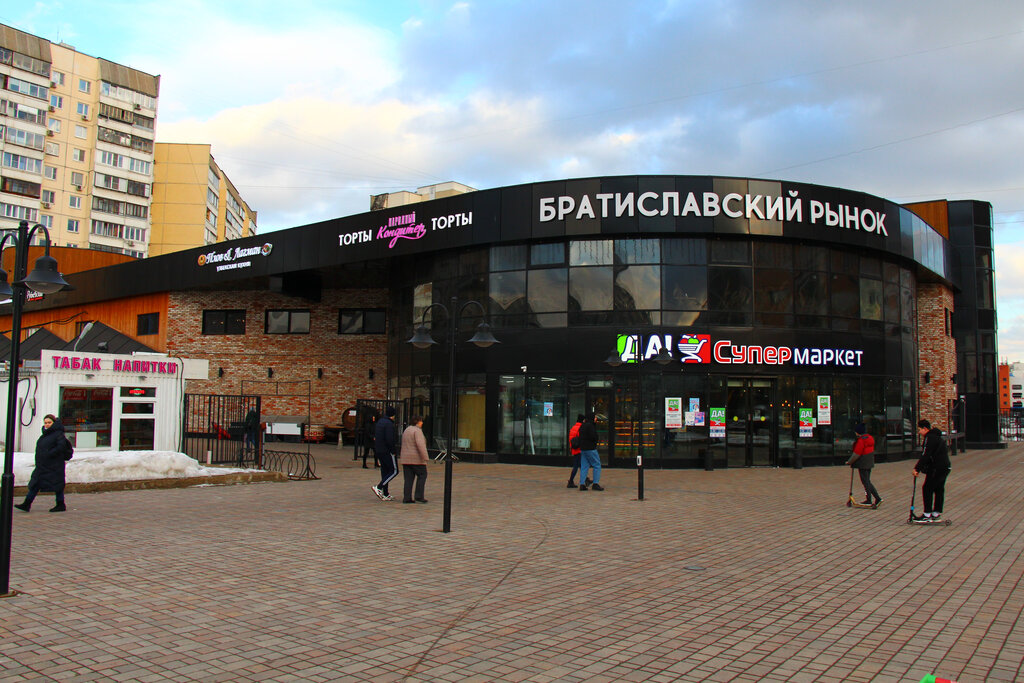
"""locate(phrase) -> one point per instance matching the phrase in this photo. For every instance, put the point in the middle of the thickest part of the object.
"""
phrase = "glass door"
(599, 401)
(750, 435)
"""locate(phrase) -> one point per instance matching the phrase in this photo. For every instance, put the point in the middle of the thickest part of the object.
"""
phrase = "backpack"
(70, 451)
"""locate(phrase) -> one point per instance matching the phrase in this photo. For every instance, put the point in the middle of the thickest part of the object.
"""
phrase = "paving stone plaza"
(730, 575)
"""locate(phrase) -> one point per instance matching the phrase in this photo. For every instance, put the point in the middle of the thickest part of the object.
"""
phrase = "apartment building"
(390, 200)
(194, 202)
(77, 144)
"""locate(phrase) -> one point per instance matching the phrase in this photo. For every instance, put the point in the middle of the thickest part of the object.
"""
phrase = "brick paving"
(731, 575)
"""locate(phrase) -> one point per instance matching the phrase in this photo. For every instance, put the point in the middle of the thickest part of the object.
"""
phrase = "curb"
(255, 477)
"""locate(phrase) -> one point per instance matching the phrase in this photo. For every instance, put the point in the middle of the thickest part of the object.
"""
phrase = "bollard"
(209, 457)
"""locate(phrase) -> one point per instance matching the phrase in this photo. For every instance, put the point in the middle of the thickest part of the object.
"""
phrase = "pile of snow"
(93, 466)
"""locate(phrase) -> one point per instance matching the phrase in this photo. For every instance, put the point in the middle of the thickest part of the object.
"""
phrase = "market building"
(709, 321)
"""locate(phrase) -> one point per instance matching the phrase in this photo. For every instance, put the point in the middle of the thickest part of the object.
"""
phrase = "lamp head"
(613, 359)
(5, 288)
(45, 278)
(663, 357)
(483, 337)
(422, 339)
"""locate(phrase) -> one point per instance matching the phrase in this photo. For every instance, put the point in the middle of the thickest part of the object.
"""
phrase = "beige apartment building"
(78, 155)
(194, 202)
(390, 200)
(77, 150)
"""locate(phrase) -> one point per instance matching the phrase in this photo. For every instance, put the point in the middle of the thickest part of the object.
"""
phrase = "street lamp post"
(615, 360)
(44, 279)
(421, 339)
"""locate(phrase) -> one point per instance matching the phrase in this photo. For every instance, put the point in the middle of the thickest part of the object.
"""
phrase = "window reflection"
(590, 289)
(591, 253)
(685, 287)
(638, 288)
(547, 290)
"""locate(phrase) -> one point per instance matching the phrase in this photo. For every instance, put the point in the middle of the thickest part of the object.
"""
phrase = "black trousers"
(934, 490)
(33, 491)
(417, 474)
(869, 488)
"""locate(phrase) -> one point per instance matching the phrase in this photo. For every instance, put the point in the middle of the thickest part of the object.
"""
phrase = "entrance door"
(750, 436)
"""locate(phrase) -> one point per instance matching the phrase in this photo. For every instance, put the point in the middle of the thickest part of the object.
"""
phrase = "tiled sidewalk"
(732, 575)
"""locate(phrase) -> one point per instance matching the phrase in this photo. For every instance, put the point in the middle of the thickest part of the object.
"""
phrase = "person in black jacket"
(934, 464)
(589, 458)
(384, 441)
(53, 450)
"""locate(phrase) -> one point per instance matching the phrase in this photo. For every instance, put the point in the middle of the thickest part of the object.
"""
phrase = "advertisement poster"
(698, 418)
(673, 412)
(717, 423)
(689, 418)
(806, 422)
(694, 405)
(549, 409)
(824, 410)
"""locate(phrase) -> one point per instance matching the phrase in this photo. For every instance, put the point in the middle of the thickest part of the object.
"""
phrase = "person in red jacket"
(863, 459)
(574, 450)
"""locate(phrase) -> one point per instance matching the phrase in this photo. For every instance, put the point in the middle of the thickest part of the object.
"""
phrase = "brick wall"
(937, 355)
(346, 359)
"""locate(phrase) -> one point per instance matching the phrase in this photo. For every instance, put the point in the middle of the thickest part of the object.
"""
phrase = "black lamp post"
(44, 279)
(615, 360)
(421, 339)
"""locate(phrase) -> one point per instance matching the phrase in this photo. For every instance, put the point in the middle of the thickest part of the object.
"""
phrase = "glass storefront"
(558, 308)
(94, 417)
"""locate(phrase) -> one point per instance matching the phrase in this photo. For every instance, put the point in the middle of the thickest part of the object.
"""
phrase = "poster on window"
(698, 418)
(549, 409)
(694, 405)
(673, 412)
(824, 410)
(806, 422)
(717, 423)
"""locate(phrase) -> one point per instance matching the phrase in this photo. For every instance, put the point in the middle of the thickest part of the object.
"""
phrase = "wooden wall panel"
(120, 314)
(935, 214)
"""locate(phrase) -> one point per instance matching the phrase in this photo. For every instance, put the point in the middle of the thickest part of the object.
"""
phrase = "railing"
(295, 464)
(1011, 424)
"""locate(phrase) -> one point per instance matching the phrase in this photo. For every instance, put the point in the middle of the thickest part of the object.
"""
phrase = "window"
(54, 125)
(48, 196)
(83, 109)
(75, 202)
(287, 322)
(84, 85)
(53, 149)
(22, 163)
(72, 225)
(57, 77)
(78, 154)
(87, 413)
(81, 132)
(148, 323)
(77, 178)
(50, 172)
(46, 221)
(56, 101)
(224, 321)
(362, 321)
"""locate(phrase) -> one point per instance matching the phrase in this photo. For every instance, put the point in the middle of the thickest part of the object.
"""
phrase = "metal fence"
(1011, 424)
(213, 430)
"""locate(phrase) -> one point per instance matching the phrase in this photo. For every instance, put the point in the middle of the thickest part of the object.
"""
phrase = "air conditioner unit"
(49, 133)
(53, 84)
(78, 187)
(85, 117)
(138, 107)
(53, 108)
(46, 205)
(130, 243)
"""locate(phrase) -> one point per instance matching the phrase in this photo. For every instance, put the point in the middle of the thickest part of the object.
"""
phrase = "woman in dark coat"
(52, 451)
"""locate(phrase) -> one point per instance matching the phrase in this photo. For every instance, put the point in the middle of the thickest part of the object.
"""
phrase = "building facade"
(784, 313)
(78, 136)
(194, 201)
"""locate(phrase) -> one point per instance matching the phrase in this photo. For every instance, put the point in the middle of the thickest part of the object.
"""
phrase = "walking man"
(587, 441)
(934, 464)
(384, 447)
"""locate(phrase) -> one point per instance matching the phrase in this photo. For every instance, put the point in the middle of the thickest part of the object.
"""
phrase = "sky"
(312, 106)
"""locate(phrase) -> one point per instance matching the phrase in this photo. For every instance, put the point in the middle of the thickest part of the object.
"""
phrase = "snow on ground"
(93, 466)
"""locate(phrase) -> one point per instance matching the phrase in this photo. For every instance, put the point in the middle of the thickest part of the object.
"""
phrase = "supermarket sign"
(702, 349)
